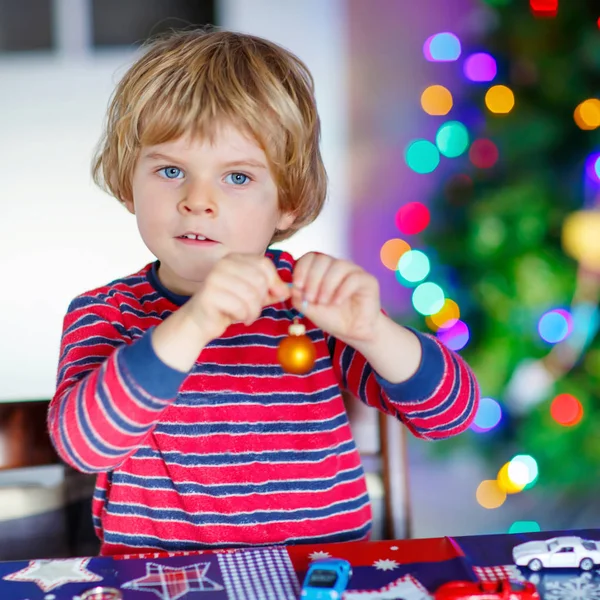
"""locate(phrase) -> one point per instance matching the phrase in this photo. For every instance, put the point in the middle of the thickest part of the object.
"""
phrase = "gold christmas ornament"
(296, 352)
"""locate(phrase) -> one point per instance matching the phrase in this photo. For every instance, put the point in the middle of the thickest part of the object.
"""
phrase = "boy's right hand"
(236, 290)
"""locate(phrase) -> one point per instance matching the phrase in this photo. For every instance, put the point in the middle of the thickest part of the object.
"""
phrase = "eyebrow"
(228, 165)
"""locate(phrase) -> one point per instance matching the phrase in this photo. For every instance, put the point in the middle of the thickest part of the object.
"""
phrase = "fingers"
(318, 278)
(240, 286)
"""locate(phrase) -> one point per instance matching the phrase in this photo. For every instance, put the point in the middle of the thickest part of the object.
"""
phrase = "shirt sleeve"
(111, 390)
(440, 400)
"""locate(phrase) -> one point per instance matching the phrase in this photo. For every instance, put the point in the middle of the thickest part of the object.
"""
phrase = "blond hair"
(189, 82)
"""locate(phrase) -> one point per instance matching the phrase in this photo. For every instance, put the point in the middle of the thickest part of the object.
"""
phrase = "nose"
(198, 198)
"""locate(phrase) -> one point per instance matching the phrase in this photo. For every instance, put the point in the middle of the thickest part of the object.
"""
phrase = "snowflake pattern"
(385, 564)
(576, 588)
(318, 555)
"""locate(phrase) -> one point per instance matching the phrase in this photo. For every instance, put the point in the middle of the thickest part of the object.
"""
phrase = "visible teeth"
(191, 236)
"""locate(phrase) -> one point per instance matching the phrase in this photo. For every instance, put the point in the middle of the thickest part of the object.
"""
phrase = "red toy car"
(487, 590)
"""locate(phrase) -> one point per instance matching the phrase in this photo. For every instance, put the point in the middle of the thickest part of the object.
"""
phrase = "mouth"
(195, 239)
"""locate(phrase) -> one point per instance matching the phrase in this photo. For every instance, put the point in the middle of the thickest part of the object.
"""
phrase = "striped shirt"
(236, 452)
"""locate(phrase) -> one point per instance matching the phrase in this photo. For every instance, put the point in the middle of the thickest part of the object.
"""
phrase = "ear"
(129, 206)
(286, 220)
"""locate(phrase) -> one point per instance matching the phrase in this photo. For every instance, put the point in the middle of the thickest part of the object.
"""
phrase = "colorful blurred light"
(480, 66)
(428, 298)
(555, 325)
(412, 218)
(422, 156)
(580, 237)
(489, 494)
(452, 139)
(566, 410)
(524, 527)
(544, 8)
(414, 266)
(483, 153)
(506, 483)
(499, 99)
(592, 167)
(436, 100)
(523, 468)
(442, 47)
(391, 252)
(587, 114)
(446, 317)
(455, 337)
(488, 415)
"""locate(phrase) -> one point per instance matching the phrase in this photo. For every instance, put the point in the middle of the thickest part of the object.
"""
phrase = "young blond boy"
(168, 383)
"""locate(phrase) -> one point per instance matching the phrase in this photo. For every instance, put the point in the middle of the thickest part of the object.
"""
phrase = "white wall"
(60, 236)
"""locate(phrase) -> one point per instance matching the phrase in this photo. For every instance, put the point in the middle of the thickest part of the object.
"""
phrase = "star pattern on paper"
(172, 583)
(406, 587)
(318, 555)
(51, 574)
(385, 564)
(393, 547)
(575, 588)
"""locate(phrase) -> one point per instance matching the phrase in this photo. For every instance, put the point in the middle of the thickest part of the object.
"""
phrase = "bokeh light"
(414, 266)
(483, 153)
(446, 317)
(566, 410)
(452, 139)
(436, 100)
(499, 99)
(412, 218)
(523, 468)
(489, 494)
(480, 66)
(488, 415)
(455, 337)
(580, 237)
(524, 527)
(506, 483)
(442, 47)
(422, 156)
(428, 298)
(592, 167)
(391, 252)
(587, 114)
(555, 325)
(544, 8)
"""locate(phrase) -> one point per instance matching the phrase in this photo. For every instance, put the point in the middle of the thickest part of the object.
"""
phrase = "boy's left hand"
(341, 298)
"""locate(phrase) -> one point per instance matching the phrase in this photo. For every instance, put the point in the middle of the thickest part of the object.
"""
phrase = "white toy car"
(558, 552)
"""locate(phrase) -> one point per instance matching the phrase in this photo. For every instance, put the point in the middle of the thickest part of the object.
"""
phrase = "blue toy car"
(326, 579)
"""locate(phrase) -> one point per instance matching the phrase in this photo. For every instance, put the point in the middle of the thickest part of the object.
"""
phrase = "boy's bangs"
(168, 116)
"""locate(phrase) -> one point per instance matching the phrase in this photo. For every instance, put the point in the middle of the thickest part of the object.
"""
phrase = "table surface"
(404, 569)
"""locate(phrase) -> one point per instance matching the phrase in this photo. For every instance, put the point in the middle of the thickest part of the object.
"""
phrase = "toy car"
(326, 579)
(566, 552)
(503, 589)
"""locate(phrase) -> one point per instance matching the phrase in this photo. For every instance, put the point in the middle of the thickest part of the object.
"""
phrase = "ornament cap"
(296, 328)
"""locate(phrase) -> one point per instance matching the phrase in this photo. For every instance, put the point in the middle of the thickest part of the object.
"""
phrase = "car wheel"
(587, 564)
(535, 564)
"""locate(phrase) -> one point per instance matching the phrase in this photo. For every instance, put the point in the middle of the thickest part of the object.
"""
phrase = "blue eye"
(171, 173)
(237, 178)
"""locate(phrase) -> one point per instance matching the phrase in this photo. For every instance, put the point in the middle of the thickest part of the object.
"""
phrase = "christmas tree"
(514, 236)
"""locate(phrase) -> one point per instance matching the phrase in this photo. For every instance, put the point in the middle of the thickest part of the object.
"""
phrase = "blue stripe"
(244, 458)
(197, 399)
(258, 517)
(62, 432)
(224, 490)
(147, 541)
(107, 405)
(253, 370)
(450, 399)
(193, 429)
